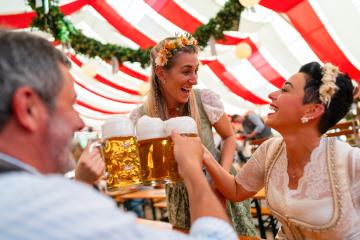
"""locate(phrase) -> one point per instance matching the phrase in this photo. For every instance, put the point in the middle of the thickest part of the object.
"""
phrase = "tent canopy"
(283, 35)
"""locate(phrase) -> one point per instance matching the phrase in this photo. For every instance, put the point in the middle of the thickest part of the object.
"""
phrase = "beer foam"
(118, 126)
(149, 128)
(181, 125)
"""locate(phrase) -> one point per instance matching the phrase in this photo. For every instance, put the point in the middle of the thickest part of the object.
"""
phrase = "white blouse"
(211, 101)
(312, 201)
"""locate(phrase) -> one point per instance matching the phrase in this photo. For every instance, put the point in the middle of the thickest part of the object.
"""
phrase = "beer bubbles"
(120, 153)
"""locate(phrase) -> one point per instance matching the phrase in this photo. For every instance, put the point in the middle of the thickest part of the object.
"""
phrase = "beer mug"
(121, 155)
(185, 126)
(154, 150)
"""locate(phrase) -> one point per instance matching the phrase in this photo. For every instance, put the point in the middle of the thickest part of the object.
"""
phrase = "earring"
(304, 120)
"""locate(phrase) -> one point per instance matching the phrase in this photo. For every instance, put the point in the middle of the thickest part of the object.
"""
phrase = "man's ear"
(27, 107)
(314, 110)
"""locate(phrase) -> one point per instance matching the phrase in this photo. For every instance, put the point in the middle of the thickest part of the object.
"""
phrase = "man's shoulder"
(30, 186)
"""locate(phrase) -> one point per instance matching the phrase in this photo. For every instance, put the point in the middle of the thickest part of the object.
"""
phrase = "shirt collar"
(13, 161)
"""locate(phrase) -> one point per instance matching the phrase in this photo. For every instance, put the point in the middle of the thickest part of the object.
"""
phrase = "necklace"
(175, 109)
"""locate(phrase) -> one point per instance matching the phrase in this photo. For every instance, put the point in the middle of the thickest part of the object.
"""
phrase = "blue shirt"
(52, 207)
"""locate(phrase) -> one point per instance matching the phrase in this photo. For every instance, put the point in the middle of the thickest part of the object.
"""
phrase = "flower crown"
(170, 48)
(328, 87)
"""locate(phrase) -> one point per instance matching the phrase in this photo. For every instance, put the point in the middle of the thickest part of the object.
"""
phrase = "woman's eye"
(283, 90)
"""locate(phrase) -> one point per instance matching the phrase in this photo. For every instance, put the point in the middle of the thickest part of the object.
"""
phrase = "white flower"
(328, 87)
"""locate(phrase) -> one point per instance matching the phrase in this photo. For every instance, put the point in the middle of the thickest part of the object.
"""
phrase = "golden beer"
(156, 149)
(121, 154)
(122, 163)
(155, 160)
(174, 175)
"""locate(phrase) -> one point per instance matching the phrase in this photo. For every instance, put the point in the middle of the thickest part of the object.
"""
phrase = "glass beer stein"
(121, 155)
(185, 126)
(156, 149)
(153, 150)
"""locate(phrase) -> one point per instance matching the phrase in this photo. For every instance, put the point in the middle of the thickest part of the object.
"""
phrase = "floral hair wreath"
(170, 48)
(328, 87)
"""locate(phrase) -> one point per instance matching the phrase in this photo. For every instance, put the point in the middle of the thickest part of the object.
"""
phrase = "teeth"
(273, 108)
(186, 89)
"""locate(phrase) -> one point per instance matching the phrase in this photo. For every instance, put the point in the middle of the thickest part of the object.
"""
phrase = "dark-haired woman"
(312, 182)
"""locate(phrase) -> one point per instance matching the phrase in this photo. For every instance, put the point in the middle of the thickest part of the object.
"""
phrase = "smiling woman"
(174, 66)
(312, 182)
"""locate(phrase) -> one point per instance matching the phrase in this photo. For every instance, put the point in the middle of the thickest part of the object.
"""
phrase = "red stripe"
(111, 84)
(258, 61)
(120, 24)
(133, 73)
(315, 34)
(76, 60)
(83, 104)
(232, 83)
(263, 67)
(229, 40)
(104, 80)
(112, 99)
(23, 20)
(174, 13)
(94, 118)
(280, 6)
(309, 25)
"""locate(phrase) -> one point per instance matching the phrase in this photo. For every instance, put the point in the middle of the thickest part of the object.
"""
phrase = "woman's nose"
(273, 95)
(193, 79)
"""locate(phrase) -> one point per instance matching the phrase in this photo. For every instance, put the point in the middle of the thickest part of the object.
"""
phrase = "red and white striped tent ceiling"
(283, 35)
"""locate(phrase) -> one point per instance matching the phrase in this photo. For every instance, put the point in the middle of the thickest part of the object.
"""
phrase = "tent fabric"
(283, 35)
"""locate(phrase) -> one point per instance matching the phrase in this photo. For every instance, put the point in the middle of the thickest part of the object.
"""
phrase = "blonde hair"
(155, 105)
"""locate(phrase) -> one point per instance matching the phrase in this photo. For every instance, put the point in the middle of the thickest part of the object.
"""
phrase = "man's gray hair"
(28, 60)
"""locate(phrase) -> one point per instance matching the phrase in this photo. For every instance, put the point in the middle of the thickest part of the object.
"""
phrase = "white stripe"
(120, 78)
(101, 88)
(232, 102)
(101, 27)
(14, 7)
(341, 22)
(205, 9)
(100, 102)
(247, 75)
(145, 19)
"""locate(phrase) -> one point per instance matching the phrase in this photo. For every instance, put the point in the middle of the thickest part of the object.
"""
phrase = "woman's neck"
(299, 147)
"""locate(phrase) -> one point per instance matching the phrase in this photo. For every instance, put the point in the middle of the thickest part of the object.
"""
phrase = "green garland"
(64, 31)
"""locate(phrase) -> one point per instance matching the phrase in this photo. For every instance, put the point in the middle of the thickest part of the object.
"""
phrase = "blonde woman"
(174, 66)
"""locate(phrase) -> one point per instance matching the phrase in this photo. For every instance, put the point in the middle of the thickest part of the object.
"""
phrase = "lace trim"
(335, 189)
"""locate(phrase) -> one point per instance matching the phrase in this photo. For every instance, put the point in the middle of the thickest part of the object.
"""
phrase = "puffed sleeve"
(212, 104)
(251, 176)
(135, 115)
(354, 167)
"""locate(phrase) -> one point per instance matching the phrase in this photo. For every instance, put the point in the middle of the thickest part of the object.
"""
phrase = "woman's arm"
(224, 181)
(224, 129)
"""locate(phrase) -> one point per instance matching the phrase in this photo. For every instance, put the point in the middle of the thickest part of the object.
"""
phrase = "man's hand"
(188, 152)
(90, 166)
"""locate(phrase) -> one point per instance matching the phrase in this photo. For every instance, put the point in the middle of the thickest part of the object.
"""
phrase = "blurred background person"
(253, 126)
